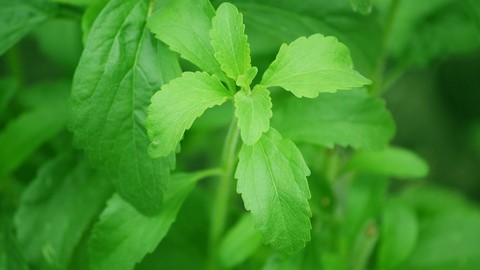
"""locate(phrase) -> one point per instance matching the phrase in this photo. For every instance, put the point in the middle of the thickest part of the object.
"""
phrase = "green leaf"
(362, 6)
(19, 17)
(188, 23)
(56, 208)
(123, 236)
(26, 133)
(239, 243)
(347, 118)
(392, 161)
(272, 180)
(177, 105)
(309, 66)
(253, 111)
(121, 67)
(398, 235)
(230, 42)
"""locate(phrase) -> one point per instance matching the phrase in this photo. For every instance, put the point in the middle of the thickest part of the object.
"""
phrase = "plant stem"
(224, 191)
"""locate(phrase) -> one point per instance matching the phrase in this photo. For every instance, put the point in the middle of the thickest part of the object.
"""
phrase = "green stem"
(377, 86)
(224, 191)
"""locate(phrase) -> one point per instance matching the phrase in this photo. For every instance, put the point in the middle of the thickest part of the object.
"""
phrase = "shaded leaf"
(19, 17)
(392, 161)
(123, 236)
(57, 208)
(24, 134)
(448, 241)
(239, 243)
(270, 23)
(346, 118)
(398, 235)
(362, 6)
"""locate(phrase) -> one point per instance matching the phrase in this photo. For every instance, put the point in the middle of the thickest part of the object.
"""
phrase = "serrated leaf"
(230, 42)
(253, 111)
(123, 236)
(174, 108)
(392, 161)
(309, 66)
(188, 23)
(121, 67)
(347, 118)
(56, 209)
(19, 17)
(272, 180)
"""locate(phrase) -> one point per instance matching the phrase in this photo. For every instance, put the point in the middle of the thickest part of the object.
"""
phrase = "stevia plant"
(271, 172)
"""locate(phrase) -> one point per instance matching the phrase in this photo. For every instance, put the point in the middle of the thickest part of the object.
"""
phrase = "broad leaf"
(121, 67)
(123, 236)
(398, 235)
(392, 161)
(272, 180)
(230, 42)
(57, 208)
(308, 66)
(347, 118)
(253, 111)
(177, 105)
(184, 26)
(18, 17)
(239, 243)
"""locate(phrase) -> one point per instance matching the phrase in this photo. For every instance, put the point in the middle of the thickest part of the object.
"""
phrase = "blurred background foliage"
(424, 59)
